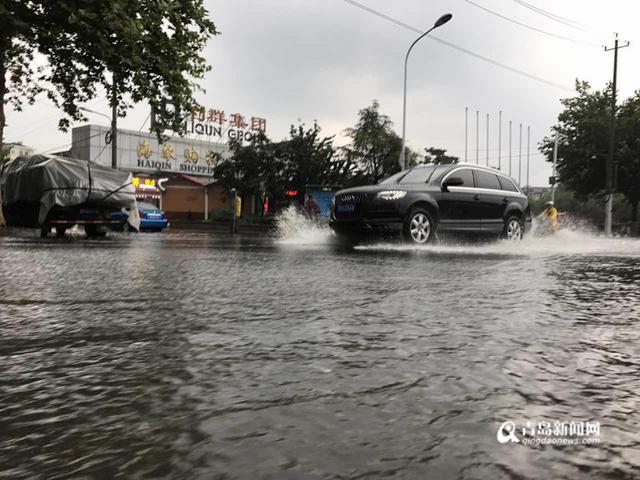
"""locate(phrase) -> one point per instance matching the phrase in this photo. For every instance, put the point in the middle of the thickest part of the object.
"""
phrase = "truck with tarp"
(47, 192)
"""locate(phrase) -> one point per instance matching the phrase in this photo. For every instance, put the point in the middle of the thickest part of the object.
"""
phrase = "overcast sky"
(306, 60)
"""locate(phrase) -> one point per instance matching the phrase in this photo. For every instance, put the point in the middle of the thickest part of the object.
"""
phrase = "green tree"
(375, 147)
(628, 157)
(583, 127)
(264, 168)
(251, 169)
(308, 158)
(438, 156)
(135, 49)
(583, 147)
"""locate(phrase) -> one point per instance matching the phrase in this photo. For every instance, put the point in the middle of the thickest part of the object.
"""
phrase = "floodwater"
(202, 356)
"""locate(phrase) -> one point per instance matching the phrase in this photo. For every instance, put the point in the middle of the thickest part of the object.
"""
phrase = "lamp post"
(95, 113)
(441, 21)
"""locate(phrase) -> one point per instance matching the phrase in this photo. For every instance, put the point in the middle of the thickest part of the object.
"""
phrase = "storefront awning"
(146, 192)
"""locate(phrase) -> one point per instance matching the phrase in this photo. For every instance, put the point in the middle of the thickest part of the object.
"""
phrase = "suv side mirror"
(452, 182)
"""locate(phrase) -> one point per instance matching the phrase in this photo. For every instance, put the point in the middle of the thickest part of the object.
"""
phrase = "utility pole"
(520, 159)
(466, 131)
(477, 137)
(487, 139)
(510, 147)
(609, 186)
(528, 153)
(500, 140)
(114, 125)
(555, 163)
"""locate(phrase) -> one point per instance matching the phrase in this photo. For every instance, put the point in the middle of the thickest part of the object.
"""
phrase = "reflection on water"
(202, 356)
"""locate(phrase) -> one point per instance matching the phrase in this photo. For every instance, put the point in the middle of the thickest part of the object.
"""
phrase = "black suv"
(434, 198)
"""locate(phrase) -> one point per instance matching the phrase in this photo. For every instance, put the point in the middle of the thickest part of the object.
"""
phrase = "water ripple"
(201, 356)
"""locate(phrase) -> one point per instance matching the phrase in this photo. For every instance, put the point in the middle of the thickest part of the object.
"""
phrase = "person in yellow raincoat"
(550, 213)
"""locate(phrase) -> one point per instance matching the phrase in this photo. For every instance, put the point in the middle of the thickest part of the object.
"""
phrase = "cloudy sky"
(306, 60)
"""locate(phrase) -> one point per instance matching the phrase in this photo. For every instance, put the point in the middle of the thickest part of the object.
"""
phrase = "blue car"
(152, 219)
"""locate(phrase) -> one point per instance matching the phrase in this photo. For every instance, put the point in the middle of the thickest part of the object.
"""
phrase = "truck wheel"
(92, 231)
(61, 230)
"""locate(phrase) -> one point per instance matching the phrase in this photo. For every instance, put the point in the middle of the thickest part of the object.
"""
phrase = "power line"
(68, 144)
(36, 124)
(566, 21)
(535, 29)
(145, 121)
(460, 49)
(101, 152)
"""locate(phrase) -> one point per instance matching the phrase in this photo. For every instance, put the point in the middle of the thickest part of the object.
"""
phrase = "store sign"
(142, 152)
(146, 188)
(192, 160)
(144, 183)
(210, 122)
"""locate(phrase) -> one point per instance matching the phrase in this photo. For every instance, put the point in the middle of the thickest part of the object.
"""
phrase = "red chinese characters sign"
(216, 117)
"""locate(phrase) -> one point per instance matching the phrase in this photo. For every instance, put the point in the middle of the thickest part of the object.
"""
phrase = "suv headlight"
(391, 194)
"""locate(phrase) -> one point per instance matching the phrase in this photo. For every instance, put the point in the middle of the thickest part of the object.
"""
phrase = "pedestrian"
(313, 207)
(550, 214)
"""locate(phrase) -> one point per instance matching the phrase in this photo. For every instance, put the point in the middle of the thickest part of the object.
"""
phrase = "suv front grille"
(345, 200)
(355, 198)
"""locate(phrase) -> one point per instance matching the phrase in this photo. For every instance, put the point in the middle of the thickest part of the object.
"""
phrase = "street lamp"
(95, 113)
(441, 21)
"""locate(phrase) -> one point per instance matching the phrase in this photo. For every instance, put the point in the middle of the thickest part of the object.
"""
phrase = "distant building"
(18, 149)
(177, 175)
(538, 192)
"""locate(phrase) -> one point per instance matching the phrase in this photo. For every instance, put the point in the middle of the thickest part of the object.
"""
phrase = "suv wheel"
(513, 229)
(419, 227)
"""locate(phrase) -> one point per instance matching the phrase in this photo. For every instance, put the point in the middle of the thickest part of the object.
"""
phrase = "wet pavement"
(204, 356)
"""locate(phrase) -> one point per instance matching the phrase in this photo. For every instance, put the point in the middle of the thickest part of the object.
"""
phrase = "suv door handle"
(476, 197)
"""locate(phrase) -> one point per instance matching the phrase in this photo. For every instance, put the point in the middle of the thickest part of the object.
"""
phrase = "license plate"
(346, 208)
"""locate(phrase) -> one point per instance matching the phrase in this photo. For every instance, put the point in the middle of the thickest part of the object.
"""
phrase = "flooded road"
(201, 356)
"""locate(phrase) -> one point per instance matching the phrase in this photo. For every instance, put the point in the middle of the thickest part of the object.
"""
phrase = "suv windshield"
(419, 174)
(394, 178)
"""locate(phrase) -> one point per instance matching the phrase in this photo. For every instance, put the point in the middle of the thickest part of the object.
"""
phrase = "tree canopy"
(375, 146)
(583, 128)
(247, 166)
(147, 50)
(306, 157)
(438, 156)
(263, 167)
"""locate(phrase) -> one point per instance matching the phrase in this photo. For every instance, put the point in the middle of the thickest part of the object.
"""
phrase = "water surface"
(201, 356)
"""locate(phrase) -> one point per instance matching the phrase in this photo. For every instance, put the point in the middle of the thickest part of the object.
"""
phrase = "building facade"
(176, 175)
(18, 149)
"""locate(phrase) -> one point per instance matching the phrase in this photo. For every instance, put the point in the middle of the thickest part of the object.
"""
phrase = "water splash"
(564, 242)
(295, 228)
